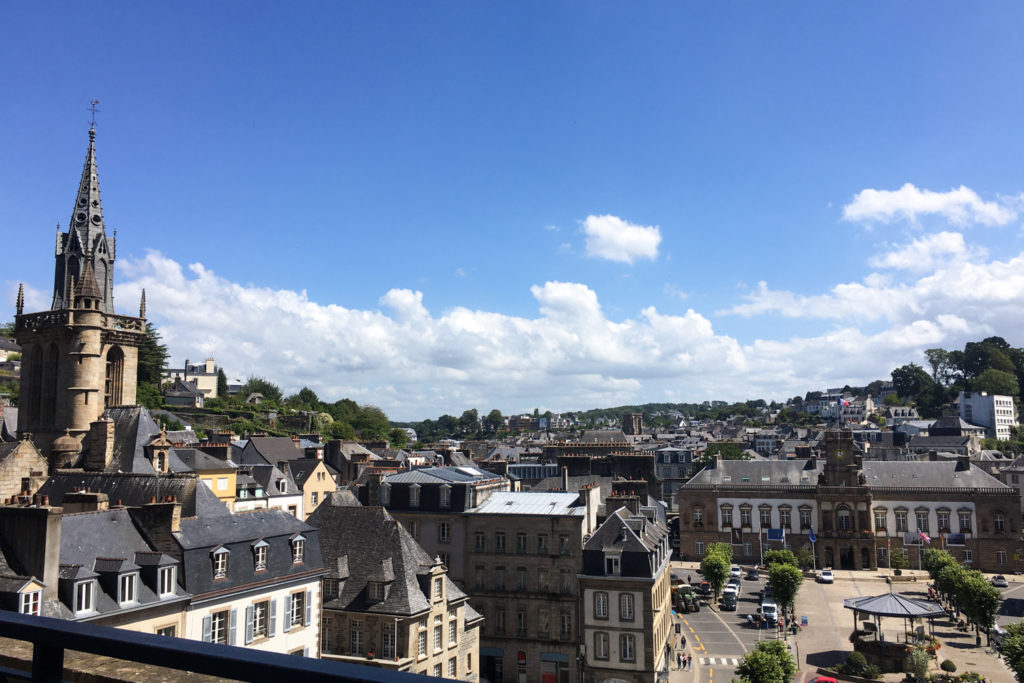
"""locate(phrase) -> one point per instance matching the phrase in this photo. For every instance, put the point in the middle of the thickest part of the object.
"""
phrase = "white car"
(735, 572)
(825, 576)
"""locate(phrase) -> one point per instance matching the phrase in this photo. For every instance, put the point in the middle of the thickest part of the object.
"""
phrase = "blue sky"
(438, 206)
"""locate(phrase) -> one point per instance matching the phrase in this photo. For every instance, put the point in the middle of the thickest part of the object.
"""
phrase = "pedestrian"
(679, 660)
(689, 662)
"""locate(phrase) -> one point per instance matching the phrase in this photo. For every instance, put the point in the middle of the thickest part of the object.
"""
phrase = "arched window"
(843, 518)
(34, 387)
(114, 386)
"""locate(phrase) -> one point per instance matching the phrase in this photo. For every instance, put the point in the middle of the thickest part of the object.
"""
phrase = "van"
(770, 612)
(729, 598)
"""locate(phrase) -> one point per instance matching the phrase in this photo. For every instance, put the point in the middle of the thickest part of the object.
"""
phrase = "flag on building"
(925, 537)
(811, 537)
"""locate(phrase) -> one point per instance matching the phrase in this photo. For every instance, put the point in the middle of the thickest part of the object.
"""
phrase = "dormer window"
(385, 494)
(220, 563)
(375, 589)
(414, 496)
(126, 588)
(298, 550)
(165, 582)
(260, 552)
(446, 496)
(84, 596)
(30, 602)
(611, 565)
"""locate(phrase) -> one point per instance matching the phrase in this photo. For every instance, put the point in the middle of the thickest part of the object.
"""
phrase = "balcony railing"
(50, 637)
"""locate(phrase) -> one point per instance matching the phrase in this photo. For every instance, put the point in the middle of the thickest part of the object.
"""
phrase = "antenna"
(93, 109)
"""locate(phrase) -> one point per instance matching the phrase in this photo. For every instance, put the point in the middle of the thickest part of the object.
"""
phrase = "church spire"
(20, 303)
(87, 216)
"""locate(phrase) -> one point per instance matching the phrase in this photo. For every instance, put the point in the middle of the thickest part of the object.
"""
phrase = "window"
(901, 520)
(444, 532)
(313, 499)
(165, 581)
(1000, 556)
(330, 589)
(968, 556)
(452, 663)
(499, 542)
(437, 670)
(260, 551)
(387, 641)
(747, 548)
(882, 554)
(922, 520)
(626, 607)
(126, 588)
(375, 589)
(843, 518)
(805, 518)
(30, 603)
(565, 626)
(698, 547)
(627, 647)
(600, 605)
(726, 516)
(965, 522)
(219, 627)
(446, 496)
(83, 596)
(565, 581)
(880, 519)
(611, 565)
(520, 543)
(260, 610)
(453, 631)
(499, 578)
(222, 483)
(414, 496)
(298, 611)
(478, 576)
(784, 518)
(298, 550)
(421, 644)
(943, 519)
(521, 578)
(220, 564)
(563, 544)
(766, 517)
(520, 623)
(542, 579)
(168, 631)
(542, 544)
(438, 589)
(385, 494)
(499, 621)
(355, 637)
(744, 516)
(479, 541)
(998, 522)
(414, 529)
(600, 645)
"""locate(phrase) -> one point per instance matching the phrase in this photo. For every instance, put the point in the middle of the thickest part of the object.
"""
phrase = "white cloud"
(672, 290)
(926, 253)
(460, 272)
(960, 206)
(613, 239)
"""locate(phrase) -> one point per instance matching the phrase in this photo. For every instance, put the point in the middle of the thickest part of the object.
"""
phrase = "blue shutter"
(272, 620)
(232, 629)
(207, 629)
(309, 608)
(287, 613)
(248, 624)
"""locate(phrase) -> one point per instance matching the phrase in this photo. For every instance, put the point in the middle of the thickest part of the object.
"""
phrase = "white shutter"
(272, 620)
(248, 624)
(207, 629)
(309, 608)
(287, 613)
(233, 628)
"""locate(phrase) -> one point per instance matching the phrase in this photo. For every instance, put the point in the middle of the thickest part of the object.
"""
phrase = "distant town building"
(997, 414)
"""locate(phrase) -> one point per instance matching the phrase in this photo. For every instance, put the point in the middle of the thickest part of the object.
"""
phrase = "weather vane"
(93, 109)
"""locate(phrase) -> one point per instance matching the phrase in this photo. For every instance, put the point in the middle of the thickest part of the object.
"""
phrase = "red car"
(823, 679)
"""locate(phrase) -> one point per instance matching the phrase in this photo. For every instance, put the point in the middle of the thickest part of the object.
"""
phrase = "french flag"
(842, 402)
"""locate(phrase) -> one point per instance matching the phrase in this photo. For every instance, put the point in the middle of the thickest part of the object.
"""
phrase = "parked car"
(997, 634)
(1000, 581)
(752, 574)
(823, 679)
(770, 612)
(825, 576)
(704, 589)
(735, 582)
(729, 598)
(736, 572)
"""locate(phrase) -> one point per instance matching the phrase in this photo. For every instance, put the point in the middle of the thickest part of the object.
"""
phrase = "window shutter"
(248, 624)
(287, 613)
(207, 629)
(309, 608)
(272, 620)
(305, 652)
(234, 624)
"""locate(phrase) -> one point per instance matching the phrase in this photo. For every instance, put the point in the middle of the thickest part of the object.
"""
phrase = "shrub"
(872, 671)
(948, 666)
(855, 664)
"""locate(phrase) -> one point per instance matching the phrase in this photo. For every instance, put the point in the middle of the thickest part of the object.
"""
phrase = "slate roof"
(8, 423)
(369, 537)
(126, 488)
(100, 540)
(241, 526)
(617, 533)
(594, 436)
(441, 475)
(790, 472)
(186, 436)
(530, 503)
(134, 429)
(268, 477)
(199, 461)
(936, 474)
(343, 498)
(269, 450)
(894, 605)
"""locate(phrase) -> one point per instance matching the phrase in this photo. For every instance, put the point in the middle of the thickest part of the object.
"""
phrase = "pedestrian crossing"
(719, 661)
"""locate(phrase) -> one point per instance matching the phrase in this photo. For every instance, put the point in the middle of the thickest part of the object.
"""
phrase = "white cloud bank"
(416, 364)
(613, 239)
(960, 206)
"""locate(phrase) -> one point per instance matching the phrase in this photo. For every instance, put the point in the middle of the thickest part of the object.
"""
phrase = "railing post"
(47, 663)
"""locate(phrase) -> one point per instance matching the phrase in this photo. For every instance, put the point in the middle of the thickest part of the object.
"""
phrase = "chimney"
(85, 501)
(101, 444)
(33, 535)
(565, 478)
(295, 442)
(160, 521)
(963, 463)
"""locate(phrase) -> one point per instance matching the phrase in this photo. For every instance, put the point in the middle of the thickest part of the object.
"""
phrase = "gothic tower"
(78, 358)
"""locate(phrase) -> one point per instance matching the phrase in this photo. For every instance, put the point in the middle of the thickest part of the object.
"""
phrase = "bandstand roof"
(894, 605)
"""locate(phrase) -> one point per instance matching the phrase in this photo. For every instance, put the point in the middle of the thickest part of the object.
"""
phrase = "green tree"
(911, 380)
(715, 568)
(222, 385)
(494, 422)
(340, 429)
(152, 357)
(149, 396)
(941, 363)
(780, 557)
(917, 664)
(469, 422)
(898, 560)
(1012, 650)
(936, 560)
(371, 423)
(260, 385)
(805, 558)
(308, 398)
(996, 382)
(769, 662)
(398, 438)
(785, 580)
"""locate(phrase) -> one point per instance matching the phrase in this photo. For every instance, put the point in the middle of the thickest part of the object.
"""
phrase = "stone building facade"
(78, 357)
(860, 511)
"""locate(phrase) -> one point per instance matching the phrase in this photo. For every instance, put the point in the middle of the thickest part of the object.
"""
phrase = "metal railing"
(51, 637)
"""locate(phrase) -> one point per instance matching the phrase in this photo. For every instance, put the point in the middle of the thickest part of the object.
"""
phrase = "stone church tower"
(78, 358)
